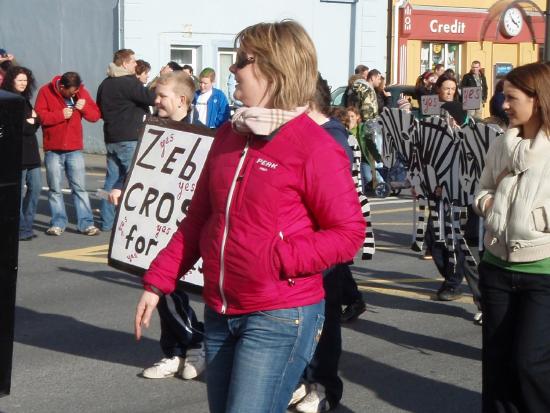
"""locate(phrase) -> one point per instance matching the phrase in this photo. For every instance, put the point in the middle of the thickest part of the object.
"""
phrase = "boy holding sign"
(181, 337)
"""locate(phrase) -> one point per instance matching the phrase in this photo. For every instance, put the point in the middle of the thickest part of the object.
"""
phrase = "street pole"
(547, 37)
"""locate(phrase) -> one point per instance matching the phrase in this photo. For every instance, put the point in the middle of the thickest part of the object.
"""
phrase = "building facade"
(500, 34)
(56, 36)
(345, 32)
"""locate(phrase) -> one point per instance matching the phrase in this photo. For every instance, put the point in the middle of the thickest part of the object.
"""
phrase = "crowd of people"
(276, 266)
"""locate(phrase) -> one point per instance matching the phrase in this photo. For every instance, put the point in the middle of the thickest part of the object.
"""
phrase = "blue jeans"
(72, 163)
(366, 177)
(29, 200)
(119, 160)
(254, 361)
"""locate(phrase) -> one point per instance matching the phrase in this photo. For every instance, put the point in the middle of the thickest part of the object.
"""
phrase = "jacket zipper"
(513, 194)
(226, 227)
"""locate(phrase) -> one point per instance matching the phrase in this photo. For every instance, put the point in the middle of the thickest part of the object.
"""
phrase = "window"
(226, 57)
(184, 55)
(448, 54)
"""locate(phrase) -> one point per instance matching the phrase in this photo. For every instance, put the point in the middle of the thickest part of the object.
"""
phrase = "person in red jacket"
(274, 206)
(61, 105)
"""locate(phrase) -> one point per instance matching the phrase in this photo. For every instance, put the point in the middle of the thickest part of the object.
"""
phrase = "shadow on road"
(68, 335)
(407, 391)
(112, 276)
(422, 343)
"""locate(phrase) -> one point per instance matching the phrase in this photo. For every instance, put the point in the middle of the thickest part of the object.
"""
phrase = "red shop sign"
(459, 27)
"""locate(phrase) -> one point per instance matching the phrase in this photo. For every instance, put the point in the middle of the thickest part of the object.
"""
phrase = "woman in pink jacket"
(275, 205)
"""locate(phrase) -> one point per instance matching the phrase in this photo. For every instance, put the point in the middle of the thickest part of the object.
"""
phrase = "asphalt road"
(75, 352)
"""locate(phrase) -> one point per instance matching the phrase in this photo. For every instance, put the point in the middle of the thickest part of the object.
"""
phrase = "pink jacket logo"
(264, 165)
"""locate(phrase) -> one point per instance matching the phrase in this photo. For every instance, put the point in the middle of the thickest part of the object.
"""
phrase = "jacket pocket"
(540, 218)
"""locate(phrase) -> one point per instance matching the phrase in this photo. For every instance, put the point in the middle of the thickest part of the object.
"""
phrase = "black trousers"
(323, 368)
(349, 290)
(516, 340)
(179, 327)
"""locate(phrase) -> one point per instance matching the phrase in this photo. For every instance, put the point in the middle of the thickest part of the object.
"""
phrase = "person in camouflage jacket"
(366, 95)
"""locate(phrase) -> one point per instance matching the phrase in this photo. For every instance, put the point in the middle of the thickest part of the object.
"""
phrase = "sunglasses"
(243, 61)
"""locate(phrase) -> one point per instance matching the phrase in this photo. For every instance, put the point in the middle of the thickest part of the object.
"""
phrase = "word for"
(141, 245)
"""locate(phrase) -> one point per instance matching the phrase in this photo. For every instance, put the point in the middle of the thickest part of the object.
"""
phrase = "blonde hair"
(183, 85)
(284, 53)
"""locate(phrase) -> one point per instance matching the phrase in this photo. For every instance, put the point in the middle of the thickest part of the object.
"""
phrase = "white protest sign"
(167, 165)
(430, 105)
(471, 98)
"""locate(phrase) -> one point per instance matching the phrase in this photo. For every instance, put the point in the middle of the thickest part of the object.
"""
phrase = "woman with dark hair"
(451, 108)
(275, 205)
(514, 272)
(20, 80)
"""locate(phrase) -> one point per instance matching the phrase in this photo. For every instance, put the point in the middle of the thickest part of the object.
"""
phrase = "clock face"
(512, 22)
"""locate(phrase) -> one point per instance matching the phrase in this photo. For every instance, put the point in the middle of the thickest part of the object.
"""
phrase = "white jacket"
(517, 176)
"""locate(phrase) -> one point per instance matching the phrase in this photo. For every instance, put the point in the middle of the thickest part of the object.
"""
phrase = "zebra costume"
(368, 244)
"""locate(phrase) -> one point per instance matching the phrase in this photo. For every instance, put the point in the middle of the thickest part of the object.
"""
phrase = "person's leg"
(350, 295)
(533, 342)
(33, 180)
(125, 155)
(76, 175)
(323, 368)
(107, 210)
(119, 161)
(272, 351)
(500, 391)
(366, 177)
(350, 292)
(220, 346)
(25, 227)
(55, 166)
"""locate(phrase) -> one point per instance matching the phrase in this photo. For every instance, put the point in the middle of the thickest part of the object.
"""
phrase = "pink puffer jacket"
(268, 216)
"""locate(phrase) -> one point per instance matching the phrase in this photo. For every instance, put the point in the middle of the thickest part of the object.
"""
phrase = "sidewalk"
(95, 163)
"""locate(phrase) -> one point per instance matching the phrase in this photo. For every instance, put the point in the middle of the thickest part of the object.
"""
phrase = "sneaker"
(315, 400)
(57, 231)
(194, 364)
(448, 293)
(478, 318)
(91, 230)
(353, 311)
(298, 395)
(164, 368)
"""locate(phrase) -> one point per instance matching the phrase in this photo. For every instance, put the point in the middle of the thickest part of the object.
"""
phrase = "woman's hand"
(147, 303)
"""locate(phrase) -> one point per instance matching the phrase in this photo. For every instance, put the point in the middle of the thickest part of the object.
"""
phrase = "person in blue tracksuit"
(211, 103)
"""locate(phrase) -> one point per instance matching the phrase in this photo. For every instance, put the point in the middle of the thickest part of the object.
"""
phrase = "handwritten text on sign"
(157, 194)
(471, 98)
(430, 105)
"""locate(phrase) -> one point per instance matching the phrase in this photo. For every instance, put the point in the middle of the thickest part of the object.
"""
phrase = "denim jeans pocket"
(286, 315)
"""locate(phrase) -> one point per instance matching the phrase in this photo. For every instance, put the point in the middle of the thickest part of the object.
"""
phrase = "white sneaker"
(298, 394)
(164, 368)
(315, 400)
(194, 364)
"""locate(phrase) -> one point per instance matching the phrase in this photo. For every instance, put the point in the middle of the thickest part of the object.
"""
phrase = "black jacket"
(30, 156)
(469, 81)
(123, 102)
